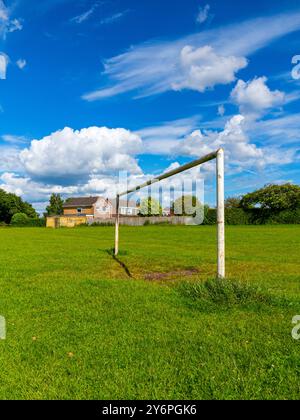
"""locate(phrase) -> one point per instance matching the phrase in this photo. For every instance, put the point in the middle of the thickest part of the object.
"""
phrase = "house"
(127, 208)
(90, 207)
(98, 207)
(166, 212)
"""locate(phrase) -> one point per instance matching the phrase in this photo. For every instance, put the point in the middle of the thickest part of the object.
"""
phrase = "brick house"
(91, 207)
(98, 207)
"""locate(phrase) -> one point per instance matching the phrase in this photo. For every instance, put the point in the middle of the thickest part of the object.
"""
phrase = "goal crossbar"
(219, 156)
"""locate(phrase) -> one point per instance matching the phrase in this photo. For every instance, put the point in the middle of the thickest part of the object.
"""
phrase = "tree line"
(272, 204)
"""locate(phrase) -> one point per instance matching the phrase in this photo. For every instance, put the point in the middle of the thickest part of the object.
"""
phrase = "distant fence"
(67, 221)
(141, 221)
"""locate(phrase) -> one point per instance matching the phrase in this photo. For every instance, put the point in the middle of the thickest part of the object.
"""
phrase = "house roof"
(80, 202)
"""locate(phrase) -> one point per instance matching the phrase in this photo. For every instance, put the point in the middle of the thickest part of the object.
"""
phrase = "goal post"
(219, 157)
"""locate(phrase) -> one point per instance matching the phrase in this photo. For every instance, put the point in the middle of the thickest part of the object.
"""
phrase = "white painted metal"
(221, 213)
(117, 225)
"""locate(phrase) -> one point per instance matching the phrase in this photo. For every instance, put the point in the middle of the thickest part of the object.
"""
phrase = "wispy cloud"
(85, 15)
(203, 14)
(162, 138)
(156, 67)
(21, 63)
(13, 139)
(7, 23)
(113, 18)
(4, 60)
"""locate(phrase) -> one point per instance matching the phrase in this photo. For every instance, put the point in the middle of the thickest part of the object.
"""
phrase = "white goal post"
(219, 156)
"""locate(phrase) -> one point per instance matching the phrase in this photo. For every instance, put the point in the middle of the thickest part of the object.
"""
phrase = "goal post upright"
(116, 250)
(219, 157)
(221, 213)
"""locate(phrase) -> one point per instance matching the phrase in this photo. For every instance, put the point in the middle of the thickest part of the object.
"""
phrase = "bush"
(19, 219)
(285, 217)
(236, 216)
(37, 222)
(22, 220)
(210, 217)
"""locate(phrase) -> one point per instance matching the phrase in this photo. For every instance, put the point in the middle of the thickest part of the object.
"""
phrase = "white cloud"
(241, 154)
(15, 25)
(3, 12)
(84, 16)
(10, 160)
(13, 139)
(4, 60)
(203, 68)
(254, 97)
(113, 18)
(221, 110)
(73, 156)
(160, 139)
(8, 25)
(203, 14)
(156, 66)
(21, 63)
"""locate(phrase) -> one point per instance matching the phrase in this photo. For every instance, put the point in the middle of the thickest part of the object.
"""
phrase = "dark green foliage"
(273, 204)
(22, 220)
(274, 198)
(210, 216)
(285, 217)
(233, 202)
(55, 207)
(236, 216)
(11, 204)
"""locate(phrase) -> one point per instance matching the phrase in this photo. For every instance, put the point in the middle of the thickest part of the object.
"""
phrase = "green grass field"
(81, 325)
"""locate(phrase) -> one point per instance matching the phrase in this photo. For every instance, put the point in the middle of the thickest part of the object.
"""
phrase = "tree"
(55, 207)
(186, 205)
(233, 203)
(273, 198)
(150, 207)
(11, 204)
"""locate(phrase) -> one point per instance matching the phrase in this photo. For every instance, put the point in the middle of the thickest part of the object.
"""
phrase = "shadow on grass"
(111, 252)
(221, 295)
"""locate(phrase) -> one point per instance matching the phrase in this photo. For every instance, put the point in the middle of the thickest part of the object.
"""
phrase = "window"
(79, 210)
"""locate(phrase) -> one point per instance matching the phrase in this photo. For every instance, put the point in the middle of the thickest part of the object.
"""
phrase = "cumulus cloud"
(204, 68)
(203, 14)
(71, 155)
(254, 97)
(240, 152)
(70, 162)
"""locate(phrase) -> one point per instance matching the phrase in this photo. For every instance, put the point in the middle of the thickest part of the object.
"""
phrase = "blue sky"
(145, 85)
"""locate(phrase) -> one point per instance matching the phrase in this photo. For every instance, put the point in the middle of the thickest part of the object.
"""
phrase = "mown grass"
(84, 325)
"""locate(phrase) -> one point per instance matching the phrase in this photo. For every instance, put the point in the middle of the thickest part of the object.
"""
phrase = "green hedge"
(237, 216)
(22, 220)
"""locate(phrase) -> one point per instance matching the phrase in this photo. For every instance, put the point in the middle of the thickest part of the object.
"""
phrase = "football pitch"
(153, 323)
